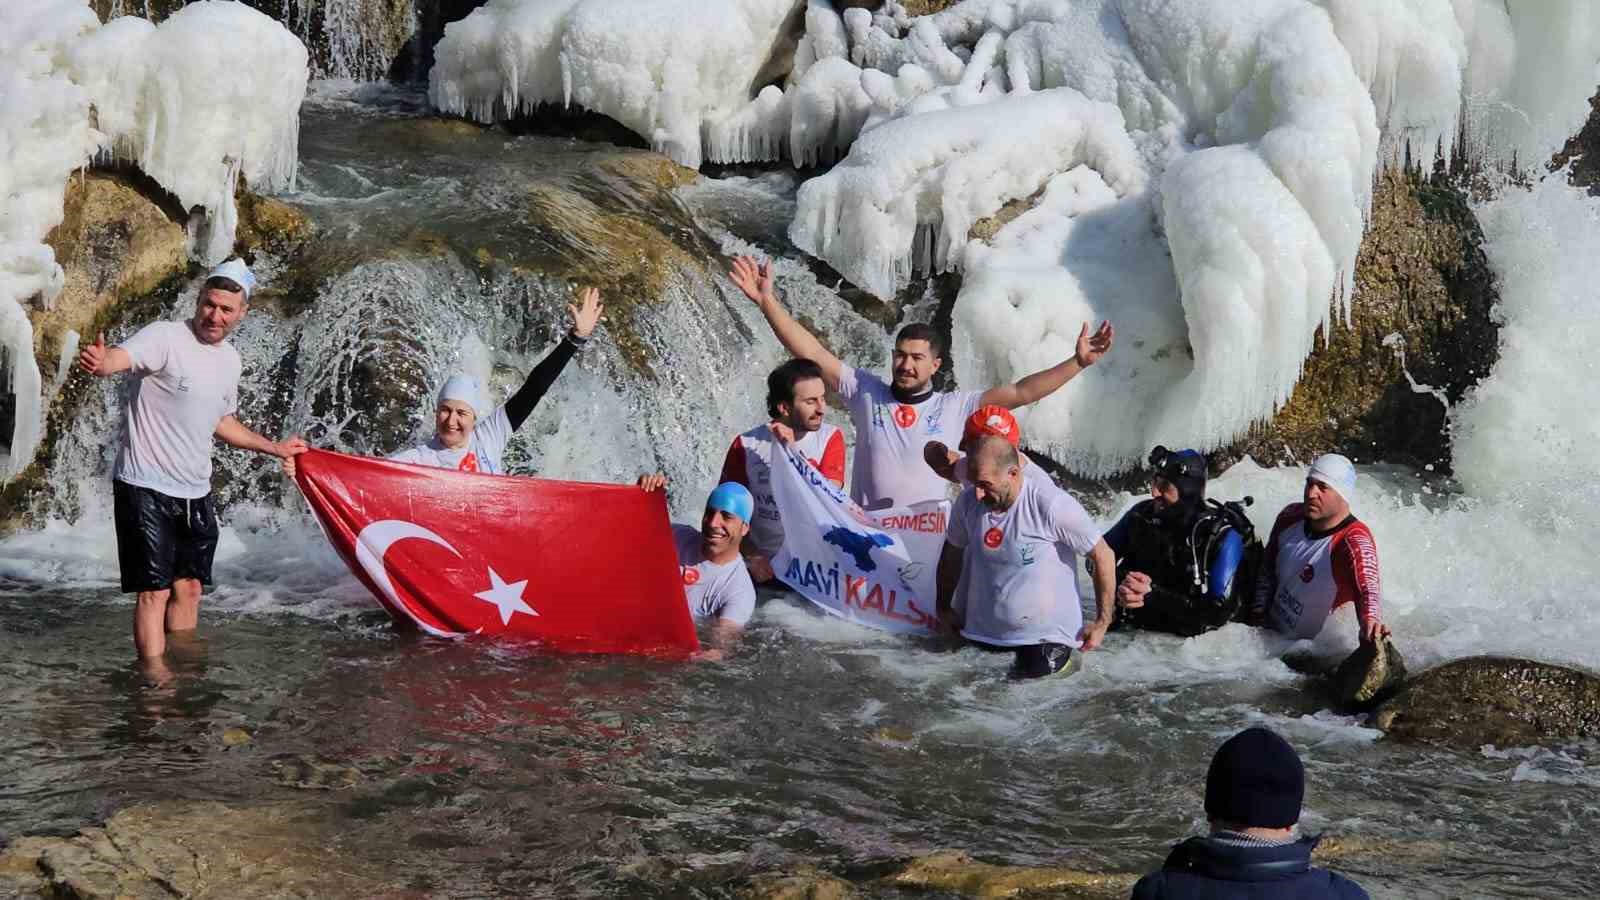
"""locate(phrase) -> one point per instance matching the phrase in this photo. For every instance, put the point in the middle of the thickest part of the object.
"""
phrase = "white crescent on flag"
(375, 540)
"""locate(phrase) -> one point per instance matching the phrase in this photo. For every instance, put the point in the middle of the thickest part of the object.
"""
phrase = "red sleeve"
(733, 464)
(832, 466)
(1267, 575)
(1355, 572)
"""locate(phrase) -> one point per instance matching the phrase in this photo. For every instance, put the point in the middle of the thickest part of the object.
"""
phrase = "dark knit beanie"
(1255, 781)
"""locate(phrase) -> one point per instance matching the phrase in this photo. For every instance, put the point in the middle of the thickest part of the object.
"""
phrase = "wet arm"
(949, 576)
(799, 341)
(234, 433)
(1033, 387)
(520, 405)
(1102, 565)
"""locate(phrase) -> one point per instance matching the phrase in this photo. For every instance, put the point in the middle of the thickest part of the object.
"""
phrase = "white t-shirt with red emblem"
(485, 446)
(713, 590)
(749, 462)
(889, 468)
(1305, 576)
(1019, 572)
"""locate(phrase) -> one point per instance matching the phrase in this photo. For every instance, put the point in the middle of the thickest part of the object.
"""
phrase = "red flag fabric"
(587, 568)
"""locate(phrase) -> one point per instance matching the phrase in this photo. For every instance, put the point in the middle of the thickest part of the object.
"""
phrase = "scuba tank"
(1217, 519)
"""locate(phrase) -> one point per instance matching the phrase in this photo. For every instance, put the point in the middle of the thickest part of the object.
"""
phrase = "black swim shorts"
(161, 539)
(1039, 660)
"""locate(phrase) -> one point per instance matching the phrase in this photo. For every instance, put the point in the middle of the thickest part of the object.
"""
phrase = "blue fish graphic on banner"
(876, 568)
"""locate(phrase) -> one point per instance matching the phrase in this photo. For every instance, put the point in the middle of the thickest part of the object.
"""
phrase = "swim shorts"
(1039, 660)
(161, 539)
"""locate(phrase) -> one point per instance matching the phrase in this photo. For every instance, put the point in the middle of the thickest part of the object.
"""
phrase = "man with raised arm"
(1319, 558)
(1008, 576)
(184, 392)
(894, 421)
(796, 405)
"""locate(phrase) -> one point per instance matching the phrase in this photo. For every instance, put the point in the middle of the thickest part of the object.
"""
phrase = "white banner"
(876, 568)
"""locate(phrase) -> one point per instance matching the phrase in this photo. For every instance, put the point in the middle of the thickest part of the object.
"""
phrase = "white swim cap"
(1335, 471)
(464, 388)
(237, 272)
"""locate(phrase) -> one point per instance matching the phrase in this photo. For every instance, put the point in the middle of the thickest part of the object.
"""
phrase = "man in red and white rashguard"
(1319, 558)
(796, 403)
(895, 419)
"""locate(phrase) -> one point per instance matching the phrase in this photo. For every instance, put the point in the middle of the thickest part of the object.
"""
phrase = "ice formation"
(211, 93)
(1256, 128)
(1201, 169)
(666, 70)
(44, 136)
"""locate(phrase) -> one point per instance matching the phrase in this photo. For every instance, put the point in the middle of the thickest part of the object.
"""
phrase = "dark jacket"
(1192, 561)
(1205, 869)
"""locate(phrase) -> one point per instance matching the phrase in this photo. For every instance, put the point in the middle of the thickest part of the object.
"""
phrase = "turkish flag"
(587, 568)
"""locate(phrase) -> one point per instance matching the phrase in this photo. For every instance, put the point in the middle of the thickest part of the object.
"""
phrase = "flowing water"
(467, 769)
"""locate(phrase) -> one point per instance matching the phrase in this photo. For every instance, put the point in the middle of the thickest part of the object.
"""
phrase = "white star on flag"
(508, 597)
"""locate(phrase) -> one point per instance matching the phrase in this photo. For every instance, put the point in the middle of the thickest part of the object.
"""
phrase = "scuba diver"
(1184, 563)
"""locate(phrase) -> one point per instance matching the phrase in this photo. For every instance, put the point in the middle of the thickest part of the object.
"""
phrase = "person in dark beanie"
(1253, 794)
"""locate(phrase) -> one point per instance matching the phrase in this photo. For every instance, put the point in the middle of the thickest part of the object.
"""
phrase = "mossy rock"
(1424, 288)
(955, 872)
(119, 237)
(1495, 700)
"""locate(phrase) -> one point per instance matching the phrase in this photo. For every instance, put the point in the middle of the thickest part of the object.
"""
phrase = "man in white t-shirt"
(184, 392)
(895, 420)
(796, 404)
(716, 584)
(1008, 576)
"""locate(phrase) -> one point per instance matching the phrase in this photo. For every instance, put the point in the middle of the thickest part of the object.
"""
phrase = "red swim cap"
(995, 420)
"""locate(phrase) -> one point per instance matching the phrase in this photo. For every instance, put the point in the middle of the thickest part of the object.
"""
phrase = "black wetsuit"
(1193, 558)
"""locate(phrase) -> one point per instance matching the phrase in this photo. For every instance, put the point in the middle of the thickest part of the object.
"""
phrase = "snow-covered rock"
(667, 70)
(211, 93)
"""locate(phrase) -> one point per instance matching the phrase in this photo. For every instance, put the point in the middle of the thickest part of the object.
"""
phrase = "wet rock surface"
(1506, 702)
(119, 237)
(1424, 290)
(955, 872)
(192, 850)
(1368, 676)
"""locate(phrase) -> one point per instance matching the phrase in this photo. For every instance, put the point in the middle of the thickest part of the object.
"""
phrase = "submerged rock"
(1494, 700)
(956, 872)
(804, 883)
(192, 849)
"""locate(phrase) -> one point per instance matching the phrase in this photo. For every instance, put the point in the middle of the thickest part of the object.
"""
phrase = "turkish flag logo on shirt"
(1307, 574)
(581, 567)
(691, 575)
(905, 416)
(469, 463)
(993, 537)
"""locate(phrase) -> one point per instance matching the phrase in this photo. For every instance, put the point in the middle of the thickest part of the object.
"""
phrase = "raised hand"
(754, 278)
(90, 357)
(586, 313)
(1093, 346)
(653, 482)
(781, 432)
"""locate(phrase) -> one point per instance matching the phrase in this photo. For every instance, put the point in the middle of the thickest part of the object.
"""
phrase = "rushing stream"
(475, 770)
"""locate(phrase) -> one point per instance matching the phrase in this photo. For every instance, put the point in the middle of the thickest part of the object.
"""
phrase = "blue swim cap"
(732, 497)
